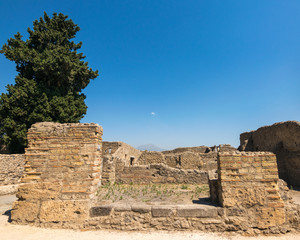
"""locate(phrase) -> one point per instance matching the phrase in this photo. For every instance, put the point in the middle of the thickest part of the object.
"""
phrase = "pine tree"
(51, 76)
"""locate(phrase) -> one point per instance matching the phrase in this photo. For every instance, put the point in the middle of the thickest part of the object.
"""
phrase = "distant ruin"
(65, 164)
(124, 164)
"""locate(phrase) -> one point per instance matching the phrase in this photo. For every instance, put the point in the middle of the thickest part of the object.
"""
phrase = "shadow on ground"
(205, 201)
(8, 214)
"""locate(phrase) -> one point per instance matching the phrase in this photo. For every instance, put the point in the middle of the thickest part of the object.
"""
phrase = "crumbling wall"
(117, 154)
(283, 139)
(11, 168)
(150, 157)
(248, 183)
(159, 173)
(200, 149)
(62, 173)
(108, 169)
(121, 150)
(209, 161)
(110, 147)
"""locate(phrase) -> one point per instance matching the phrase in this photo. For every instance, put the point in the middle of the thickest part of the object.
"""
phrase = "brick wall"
(62, 173)
(283, 139)
(11, 168)
(250, 181)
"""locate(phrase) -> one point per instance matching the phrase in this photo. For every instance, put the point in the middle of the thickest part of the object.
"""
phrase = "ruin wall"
(159, 173)
(249, 182)
(11, 168)
(150, 157)
(113, 151)
(283, 139)
(62, 173)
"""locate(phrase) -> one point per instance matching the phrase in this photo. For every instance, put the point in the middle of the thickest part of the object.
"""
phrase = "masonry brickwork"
(246, 190)
(281, 138)
(125, 164)
(159, 173)
(62, 173)
(11, 168)
(250, 181)
(63, 170)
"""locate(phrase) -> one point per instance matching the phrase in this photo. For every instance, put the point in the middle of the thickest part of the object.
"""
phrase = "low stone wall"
(180, 160)
(160, 173)
(11, 168)
(159, 217)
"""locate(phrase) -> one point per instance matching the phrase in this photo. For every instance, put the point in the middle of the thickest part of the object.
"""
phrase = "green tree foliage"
(51, 75)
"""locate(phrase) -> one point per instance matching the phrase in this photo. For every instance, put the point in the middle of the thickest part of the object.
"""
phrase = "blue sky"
(179, 73)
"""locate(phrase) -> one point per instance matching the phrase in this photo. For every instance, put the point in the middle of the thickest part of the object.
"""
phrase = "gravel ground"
(18, 232)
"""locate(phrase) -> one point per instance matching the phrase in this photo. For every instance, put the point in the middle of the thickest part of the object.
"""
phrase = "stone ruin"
(124, 164)
(283, 139)
(66, 163)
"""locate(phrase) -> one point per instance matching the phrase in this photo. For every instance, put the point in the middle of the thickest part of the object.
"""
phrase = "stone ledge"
(100, 211)
(162, 211)
(192, 211)
(196, 211)
(141, 208)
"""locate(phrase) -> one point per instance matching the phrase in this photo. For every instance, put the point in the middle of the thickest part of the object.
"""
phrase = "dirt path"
(17, 232)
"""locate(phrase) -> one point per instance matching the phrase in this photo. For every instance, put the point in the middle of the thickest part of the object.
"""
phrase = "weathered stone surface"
(160, 173)
(66, 210)
(196, 211)
(141, 208)
(162, 211)
(100, 211)
(8, 189)
(281, 138)
(11, 168)
(62, 171)
(122, 207)
(23, 211)
(39, 191)
(248, 187)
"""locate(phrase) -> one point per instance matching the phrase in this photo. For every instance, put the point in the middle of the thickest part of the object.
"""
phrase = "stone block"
(197, 211)
(122, 207)
(38, 191)
(64, 211)
(24, 212)
(100, 211)
(162, 211)
(141, 208)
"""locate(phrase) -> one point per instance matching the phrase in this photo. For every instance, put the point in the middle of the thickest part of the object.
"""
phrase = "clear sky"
(178, 73)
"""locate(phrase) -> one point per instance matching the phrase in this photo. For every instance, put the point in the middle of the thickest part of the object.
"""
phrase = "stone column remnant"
(248, 182)
(62, 172)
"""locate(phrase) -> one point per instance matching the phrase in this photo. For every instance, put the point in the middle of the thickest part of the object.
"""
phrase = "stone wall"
(248, 183)
(159, 173)
(11, 168)
(125, 154)
(181, 159)
(283, 139)
(62, 173)
(151, 157)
